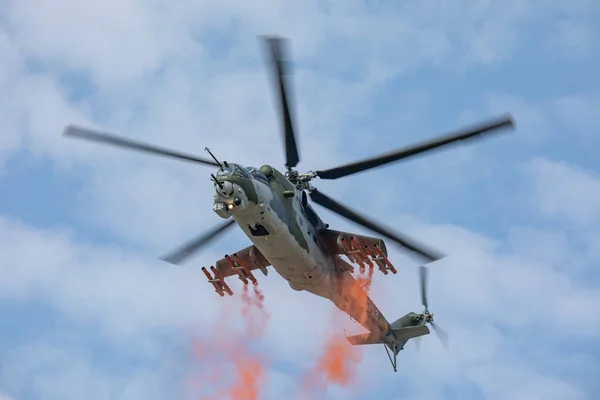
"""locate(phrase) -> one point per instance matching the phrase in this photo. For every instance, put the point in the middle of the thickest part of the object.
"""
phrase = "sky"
(88, 311)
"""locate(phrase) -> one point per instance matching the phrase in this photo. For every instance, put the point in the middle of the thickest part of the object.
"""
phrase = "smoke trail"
(338, 359)
(365, 279)
(253, 310)
(230, 369)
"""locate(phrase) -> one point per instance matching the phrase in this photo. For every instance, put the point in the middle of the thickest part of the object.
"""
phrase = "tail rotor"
(427, 316)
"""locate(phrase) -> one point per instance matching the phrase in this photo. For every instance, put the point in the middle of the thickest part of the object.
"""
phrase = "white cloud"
(531, 118)
(524, 384)
(479, 294)
(575, 37)
(192, 76)
(566, 191)
(540, 122)
(54, 374)
(579, 113)
(482, 276)
(97, 285)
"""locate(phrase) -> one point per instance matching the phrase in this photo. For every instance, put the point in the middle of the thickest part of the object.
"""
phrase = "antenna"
(214, 178)
(212, 155)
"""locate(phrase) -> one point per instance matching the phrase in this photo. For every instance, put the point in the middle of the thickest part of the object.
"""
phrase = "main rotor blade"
(184, 252)
(465, 134)
(276, 52)
(441, 334)
(106, 138)
(423, 279)
(410, 244)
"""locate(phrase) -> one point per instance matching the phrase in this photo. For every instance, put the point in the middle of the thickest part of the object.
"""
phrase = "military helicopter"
(273, 210)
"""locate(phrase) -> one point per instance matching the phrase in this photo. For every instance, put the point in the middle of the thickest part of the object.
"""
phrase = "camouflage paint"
(410, 319)
(282, 205)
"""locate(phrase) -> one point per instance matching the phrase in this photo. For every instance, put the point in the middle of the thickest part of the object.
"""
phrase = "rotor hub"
(301, 181)
(427, 317)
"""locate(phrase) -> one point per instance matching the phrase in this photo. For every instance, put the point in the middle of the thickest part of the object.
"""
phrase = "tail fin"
(402, 334)
(364, 338)
(410, 332)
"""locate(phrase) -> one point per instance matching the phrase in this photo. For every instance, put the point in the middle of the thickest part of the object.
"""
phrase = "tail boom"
(354, 301)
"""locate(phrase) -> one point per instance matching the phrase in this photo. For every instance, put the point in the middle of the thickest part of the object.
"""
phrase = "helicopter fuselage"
(269, 210)
(279, 221)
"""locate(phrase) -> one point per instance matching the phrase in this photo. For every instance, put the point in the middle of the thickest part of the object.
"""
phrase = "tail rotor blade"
(423, 279)
(442, 335)
(418, 343)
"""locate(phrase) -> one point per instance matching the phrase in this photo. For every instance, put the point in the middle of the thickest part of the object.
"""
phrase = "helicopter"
(287, 234)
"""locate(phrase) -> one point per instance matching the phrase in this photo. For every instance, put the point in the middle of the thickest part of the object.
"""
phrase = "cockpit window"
(233, 169)
(259, 176)
(225, 170)
(241, 171)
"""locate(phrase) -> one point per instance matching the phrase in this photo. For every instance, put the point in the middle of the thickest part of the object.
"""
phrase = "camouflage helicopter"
(273, 210)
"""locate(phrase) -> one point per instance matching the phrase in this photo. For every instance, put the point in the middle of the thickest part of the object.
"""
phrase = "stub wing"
(241, 264)
(365, 251)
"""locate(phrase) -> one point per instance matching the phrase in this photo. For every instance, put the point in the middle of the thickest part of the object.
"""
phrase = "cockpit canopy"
(225, 170)
(238, 170)
(232, 169)
(259, 176)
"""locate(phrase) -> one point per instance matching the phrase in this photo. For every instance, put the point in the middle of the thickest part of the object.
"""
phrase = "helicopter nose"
(226, 189)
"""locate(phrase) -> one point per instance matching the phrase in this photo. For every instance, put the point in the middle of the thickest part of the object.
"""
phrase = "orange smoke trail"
(230, 369)
(260, 297)
(357, 290)
(335, 365)
(255, 324)
(249, 369)
(365, 281)
(338, 359)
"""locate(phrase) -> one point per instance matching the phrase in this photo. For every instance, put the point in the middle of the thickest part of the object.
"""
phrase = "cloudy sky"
(87, 311)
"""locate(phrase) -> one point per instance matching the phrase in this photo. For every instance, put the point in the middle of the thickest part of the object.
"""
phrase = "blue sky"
(88, 311)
